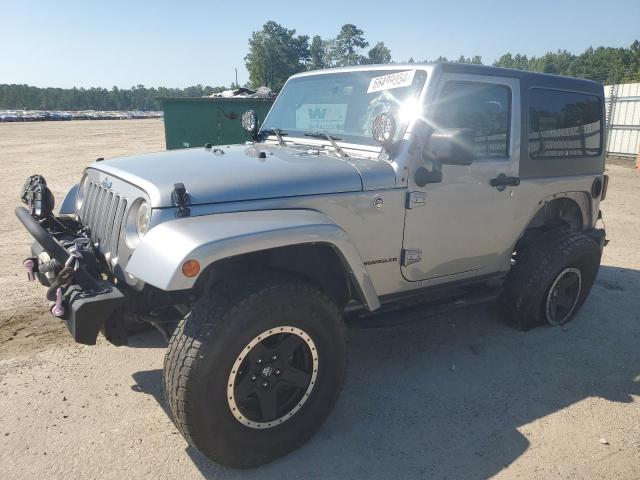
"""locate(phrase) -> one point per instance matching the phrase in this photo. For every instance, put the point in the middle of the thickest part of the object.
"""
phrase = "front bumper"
(86, 302)
(87, 312)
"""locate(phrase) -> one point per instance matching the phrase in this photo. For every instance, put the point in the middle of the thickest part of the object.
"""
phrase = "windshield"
(344, 104)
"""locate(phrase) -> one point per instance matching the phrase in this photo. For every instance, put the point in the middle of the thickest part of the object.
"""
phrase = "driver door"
(462, 226)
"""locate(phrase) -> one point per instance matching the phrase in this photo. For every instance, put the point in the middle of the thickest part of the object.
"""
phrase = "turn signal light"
(190, 268)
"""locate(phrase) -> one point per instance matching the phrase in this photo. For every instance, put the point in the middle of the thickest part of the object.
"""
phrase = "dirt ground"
(59, 151)
(456, 396)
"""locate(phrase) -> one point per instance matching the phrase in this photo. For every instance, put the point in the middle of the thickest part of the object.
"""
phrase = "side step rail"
(401, 313)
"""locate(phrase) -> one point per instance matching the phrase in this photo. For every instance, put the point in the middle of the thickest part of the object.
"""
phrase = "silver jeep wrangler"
(363, 188)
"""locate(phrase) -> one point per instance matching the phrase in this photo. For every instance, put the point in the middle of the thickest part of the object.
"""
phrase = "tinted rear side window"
(483, 108)
(564, 124)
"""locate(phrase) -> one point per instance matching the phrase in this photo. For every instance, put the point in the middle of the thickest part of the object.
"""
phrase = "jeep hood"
(240, 174)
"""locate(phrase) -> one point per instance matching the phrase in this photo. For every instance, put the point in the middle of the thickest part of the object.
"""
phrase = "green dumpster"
(192, 122)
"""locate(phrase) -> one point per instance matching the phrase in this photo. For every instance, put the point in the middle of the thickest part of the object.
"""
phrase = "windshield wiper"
(331, 139)
(279, 133)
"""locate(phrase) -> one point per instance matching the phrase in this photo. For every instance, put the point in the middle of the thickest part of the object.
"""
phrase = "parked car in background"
(34, 115)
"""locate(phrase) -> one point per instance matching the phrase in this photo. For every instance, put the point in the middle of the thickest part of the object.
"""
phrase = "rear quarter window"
(564, 124)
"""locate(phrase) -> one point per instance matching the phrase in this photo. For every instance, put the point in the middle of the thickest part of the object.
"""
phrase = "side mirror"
(250, 121)
(453, 146)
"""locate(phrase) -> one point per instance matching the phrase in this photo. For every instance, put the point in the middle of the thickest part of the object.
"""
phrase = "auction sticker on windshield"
(393, 80)
(319, 116)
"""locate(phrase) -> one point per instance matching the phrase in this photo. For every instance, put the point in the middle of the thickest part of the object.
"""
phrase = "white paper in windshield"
(393, 80)
(321, 116)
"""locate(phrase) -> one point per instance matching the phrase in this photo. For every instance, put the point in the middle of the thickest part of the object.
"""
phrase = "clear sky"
(62, 43)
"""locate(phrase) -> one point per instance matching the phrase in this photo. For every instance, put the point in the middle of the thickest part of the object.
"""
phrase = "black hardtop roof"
(530, 79)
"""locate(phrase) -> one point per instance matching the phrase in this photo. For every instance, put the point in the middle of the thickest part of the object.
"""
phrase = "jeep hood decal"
(240, 174)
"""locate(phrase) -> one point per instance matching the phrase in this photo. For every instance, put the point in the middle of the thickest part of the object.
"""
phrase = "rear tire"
(550, 280)
(253, 371)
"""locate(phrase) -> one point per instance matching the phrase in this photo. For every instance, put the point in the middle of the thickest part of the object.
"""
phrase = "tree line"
(606, 65)
(276, 53)
(134, 98)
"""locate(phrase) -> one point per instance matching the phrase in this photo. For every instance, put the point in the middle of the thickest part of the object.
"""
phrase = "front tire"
(550, 280)
(250, 378)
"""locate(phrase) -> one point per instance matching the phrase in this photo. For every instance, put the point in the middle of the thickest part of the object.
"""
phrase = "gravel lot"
(456, 396)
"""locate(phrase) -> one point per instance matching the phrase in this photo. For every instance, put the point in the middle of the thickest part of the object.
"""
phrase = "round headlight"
(143, 218)
(82, 192)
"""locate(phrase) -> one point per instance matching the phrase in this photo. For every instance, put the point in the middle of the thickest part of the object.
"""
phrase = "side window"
(564, 124)
(483, 108)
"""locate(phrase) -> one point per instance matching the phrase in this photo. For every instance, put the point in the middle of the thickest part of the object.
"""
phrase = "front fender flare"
(159, 256)
(68, 206)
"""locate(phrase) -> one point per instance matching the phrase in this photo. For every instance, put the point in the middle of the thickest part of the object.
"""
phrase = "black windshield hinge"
(180, 199)
(410, 256)
(415, 199)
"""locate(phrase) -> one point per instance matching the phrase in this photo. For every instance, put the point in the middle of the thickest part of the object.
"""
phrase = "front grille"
(103, 212)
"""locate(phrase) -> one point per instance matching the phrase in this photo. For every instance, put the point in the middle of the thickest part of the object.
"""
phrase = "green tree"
(440, 59)
(607, 65)
(275, 53)
(475, 60)
(603, 64)
(317, 54)
(519, 62)
(379, 54)
(348, 45)
(505, 61)
(552, 62)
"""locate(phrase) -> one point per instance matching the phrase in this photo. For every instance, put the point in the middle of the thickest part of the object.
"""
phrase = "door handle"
(502, 181)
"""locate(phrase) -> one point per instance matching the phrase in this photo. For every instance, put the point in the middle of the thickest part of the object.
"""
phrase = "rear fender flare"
(159, 256)
(580, 201)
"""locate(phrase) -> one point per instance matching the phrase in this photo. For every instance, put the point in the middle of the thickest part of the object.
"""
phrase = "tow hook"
(29, 264)
(57, 310)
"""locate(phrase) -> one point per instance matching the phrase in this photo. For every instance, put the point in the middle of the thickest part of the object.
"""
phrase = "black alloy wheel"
(563, 296)
(272, 377)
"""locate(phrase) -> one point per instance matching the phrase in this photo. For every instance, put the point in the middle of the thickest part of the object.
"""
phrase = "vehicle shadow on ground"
(445, 397)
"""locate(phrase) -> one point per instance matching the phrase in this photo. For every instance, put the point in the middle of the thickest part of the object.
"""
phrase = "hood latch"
(180, 199)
